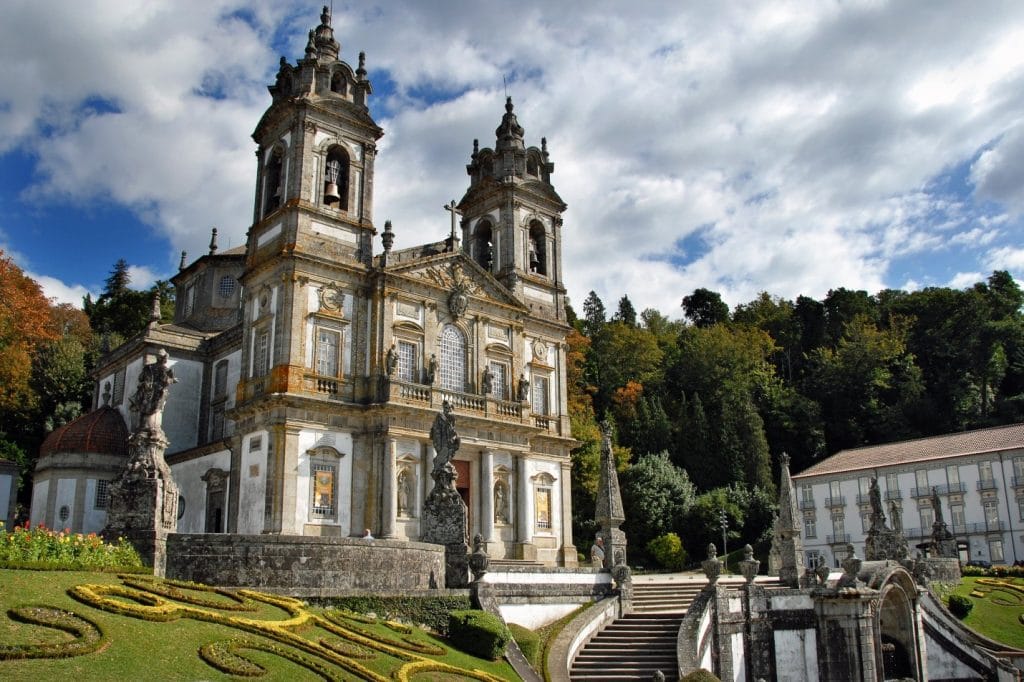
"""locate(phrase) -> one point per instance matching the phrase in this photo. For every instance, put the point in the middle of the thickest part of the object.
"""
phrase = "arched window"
(537, 249)
(336, 178)
(483, 245)
(453, 359)
(273, 193)
(338, 83)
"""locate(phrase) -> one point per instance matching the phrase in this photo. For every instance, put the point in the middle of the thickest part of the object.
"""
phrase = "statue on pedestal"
(445, 517)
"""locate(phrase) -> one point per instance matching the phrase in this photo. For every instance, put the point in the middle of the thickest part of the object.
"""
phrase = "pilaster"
(389, 506)
(487, 495)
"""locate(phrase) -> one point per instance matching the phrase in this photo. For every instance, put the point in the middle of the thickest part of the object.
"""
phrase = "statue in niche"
(151, 394)
(444, 437)
(500, 502)
(524, 388)
(404, 492)
(432, 370)
(487, 381)
(391, 360)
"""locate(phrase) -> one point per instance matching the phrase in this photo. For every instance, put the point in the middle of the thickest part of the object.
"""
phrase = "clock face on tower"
(332, 298)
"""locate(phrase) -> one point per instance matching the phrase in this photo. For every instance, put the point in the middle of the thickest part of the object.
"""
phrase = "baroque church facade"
(311, 363)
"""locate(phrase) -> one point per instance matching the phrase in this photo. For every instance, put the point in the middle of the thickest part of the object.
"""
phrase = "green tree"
(657, 495)
(705, 308)
(594, 315)
(626, 313)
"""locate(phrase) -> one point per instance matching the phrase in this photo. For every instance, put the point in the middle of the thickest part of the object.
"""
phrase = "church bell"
(331, 195)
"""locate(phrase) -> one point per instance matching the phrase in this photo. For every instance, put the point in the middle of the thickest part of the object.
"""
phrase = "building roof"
(920, 450)
(101, 431)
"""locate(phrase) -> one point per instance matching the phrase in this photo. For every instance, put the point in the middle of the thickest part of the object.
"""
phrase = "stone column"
(487, 495)
(389, 505)
(290, 524)
(568, 550)
(524, 519)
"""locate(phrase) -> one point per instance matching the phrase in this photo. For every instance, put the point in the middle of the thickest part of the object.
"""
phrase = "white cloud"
(61, 292)
(739, 146)
(1007, 258)
(962, 280)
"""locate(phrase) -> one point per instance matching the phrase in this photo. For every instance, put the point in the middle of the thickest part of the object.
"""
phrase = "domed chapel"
(311, 362)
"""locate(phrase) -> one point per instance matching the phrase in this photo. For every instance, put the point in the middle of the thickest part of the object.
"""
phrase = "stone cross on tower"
(452, 240)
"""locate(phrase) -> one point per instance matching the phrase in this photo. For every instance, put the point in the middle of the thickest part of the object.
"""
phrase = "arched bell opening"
(537, 249)
(336, 170)
(483, 245)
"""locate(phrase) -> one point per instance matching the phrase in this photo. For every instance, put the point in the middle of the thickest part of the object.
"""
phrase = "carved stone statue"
(391, 360)
(487, 381)
(875, 496)
(151, 394)
(524, 388)
(432, 370)
(937, 506)
(444, 437)
(500, 503)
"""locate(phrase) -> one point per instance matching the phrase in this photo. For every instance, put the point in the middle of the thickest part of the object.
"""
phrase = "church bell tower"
(512, 218)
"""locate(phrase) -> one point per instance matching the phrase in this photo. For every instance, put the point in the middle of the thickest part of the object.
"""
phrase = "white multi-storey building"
(978, 475)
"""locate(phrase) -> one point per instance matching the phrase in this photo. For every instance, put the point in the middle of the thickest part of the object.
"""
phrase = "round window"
(181, 506)
(64, 513)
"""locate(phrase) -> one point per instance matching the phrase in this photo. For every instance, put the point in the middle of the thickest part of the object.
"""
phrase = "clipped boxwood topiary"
(700, 675)
(960, 606)
(478, 633)
(528, 641)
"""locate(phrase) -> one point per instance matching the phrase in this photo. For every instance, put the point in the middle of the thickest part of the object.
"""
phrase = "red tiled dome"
(101, 431)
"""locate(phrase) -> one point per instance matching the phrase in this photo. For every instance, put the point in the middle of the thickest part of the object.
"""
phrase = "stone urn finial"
(749, 565)
(712, 566)
(478, 560)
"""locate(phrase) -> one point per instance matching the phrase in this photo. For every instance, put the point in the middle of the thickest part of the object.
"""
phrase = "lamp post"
(723, 519)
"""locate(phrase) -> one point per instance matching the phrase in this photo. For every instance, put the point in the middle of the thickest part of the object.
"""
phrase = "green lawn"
(237, 634)
(997, 608)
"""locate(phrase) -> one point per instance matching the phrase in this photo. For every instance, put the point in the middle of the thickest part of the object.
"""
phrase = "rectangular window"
(892, 485)
(1018, 467)
(927, 519)
(921, 479)
(834, 490)
(220, 379)
(956, 516)
(863, 485)
(118, 388)
(217, 422)
(1020, 507)
(991, 515)
(540, 395)
(328, 342)
(323, 490)
(102, 494)
(261, 355)
(812, 558)
(985, 471)
(499, 380)
(995, 550)
(838, 526)
(865, 521)
(407, 365)
(807, 494)
(810, 526)
(543, 507)
(255, 443)
(190, 299)
(953, 476)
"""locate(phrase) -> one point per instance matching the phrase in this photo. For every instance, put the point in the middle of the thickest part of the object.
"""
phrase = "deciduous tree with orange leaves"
(25, 325)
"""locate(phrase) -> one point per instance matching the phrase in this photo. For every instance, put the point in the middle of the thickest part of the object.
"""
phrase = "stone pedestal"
(144, 500)
(444, 522)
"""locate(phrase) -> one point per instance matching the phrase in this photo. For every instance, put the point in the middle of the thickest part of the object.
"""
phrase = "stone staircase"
(638, 644)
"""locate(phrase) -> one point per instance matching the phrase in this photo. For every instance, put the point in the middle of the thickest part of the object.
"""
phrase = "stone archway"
(897, 627)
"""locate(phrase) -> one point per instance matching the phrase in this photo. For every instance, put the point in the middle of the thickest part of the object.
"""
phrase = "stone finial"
(608, 511)
(388, 237)
(154, 312)
(711, 566)
(478, 560)
(311, 45)
(787, 547)
(749, 565)
(361, 71)
(181, 264)
(213, 241)
(544, 146)
(476, 149)
(509, 134)
(851, 567)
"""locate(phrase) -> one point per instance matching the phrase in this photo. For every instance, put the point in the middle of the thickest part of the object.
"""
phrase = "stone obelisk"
(786, 557)
(143, 498)
(608, 509)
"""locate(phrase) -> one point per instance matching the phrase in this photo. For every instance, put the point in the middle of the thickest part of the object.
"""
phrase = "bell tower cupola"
(512, 217)
(316, 148)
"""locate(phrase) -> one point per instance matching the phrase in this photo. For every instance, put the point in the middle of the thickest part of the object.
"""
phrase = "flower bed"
(47, 549)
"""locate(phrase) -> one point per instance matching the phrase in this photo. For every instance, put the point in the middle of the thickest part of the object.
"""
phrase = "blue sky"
(742, 146)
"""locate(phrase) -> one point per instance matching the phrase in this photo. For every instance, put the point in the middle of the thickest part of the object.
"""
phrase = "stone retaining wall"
(304, 566)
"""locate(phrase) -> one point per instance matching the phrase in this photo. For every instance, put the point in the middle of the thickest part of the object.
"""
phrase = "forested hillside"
(723, 393)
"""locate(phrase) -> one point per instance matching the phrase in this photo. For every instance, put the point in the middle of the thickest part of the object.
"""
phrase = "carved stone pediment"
(462, 279)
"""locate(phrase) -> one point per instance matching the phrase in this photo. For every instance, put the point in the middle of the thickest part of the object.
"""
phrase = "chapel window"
(336, 171)
(261, 354)
(407, 365)
(453, 359)
(499, 380)
(323, 489)
(102, 499)
(220, 379)
(226, 286)
(540, 395)
(328, 345)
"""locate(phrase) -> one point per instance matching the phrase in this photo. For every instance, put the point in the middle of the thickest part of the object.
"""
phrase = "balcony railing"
(893, 495)
(469, 403)
(987, 484)
(1018, 481)
(807, 504)
(921, 492)
(913, 533)
(839, 539)
(974, 528)
(947, 488)
(835, 501)
(863, 498)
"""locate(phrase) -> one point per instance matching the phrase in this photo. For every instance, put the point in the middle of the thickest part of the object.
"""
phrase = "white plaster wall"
(181, 416)
(342, 442)
(40, 495)
(252, 484)
(796, 655)
(707, 658)
(739, 658)
(6, 491)
(189, 478)
(65, 496)
(94, 519)
(535, 616)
